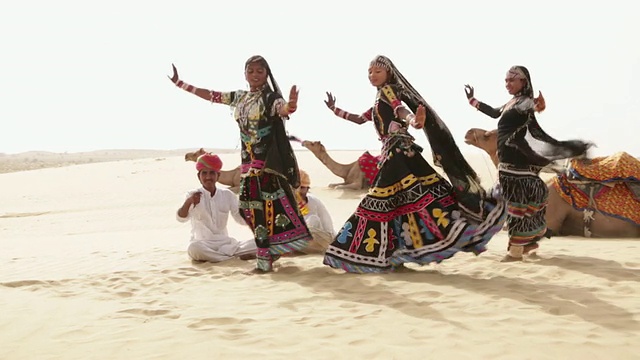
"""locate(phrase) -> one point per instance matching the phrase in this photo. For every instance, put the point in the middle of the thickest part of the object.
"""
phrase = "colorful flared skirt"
(409, 216)
(270, 209)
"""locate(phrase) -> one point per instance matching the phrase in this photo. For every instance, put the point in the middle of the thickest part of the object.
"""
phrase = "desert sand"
(93, 265)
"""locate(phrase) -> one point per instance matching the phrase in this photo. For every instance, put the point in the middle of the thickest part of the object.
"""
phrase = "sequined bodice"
(255, 127)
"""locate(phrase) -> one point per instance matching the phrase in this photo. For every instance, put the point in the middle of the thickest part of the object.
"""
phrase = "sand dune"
(93, 265)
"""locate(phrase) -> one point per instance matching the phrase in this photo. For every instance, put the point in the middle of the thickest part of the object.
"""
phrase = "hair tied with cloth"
(209, 161)
(522, 73)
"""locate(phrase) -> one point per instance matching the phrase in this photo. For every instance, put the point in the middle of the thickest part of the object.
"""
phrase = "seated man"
(315, 215)
(208, 208)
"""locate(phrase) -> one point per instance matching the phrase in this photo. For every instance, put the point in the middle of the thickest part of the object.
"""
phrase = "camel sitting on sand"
(231, 178)
(595, 198)
(357, 175)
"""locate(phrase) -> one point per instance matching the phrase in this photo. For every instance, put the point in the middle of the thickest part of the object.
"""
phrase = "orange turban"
(209, 161)
(304, 179)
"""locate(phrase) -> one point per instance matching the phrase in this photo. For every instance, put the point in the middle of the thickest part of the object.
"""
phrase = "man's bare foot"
(509, 258)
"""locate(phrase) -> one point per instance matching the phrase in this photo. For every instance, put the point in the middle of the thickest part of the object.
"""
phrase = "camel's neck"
(226, 177)
(494, 157)
(336, 168)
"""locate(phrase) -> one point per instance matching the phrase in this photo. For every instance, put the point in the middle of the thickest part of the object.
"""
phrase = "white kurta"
(320, 225)
(210, 240)
(318, 218)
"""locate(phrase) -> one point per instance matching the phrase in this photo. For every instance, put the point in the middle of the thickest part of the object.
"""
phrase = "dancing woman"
(269, 167)
(412, 213)
(523, 150)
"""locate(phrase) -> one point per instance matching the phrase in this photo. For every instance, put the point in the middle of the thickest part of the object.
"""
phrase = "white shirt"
(318, 216)
(210, 216)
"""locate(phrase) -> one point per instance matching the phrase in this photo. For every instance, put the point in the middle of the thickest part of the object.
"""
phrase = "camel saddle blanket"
(617, 167)
(609, 185)
(369, 166)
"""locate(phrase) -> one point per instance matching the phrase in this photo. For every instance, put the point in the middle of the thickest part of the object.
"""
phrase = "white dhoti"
(321, 238)
(220, 250)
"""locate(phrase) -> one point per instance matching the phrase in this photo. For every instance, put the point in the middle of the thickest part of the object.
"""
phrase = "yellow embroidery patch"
(389, 94)
(403, 184)
(268, 207)
(441, 217)
(414, 230)
(371, 241)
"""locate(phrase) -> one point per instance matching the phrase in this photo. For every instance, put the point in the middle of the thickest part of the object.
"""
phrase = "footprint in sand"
(209, 323)
(19, 215)
(145, 312)
(368, 315)
(35, 283)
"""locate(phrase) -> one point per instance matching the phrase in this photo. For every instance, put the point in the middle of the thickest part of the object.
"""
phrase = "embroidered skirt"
(408, 215)
(270, 209)
(527, 197)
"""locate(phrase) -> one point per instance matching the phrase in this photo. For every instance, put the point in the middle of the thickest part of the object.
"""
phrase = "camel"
(357, 175)
(231, 178)
(589, 221)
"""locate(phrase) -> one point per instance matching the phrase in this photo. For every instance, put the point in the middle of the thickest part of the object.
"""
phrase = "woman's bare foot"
(515, 253)
(531, 248)
(256, 271)
(509, 258)
(248, 257)
(401, 269)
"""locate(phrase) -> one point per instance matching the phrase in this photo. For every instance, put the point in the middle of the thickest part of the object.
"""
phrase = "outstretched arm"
(482, 107)
(206, 94)
(485, 109)
(358, 119)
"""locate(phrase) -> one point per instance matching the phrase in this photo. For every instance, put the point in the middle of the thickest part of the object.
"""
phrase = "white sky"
(88, 75)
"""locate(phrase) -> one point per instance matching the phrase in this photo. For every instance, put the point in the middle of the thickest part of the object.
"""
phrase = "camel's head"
(483, 139)
(316, 147)
(193, 156)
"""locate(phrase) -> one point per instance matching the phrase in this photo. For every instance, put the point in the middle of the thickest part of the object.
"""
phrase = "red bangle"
(289, 110)
(340, 113)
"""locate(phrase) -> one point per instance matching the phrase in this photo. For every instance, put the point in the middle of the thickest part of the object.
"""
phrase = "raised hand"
(539, 102)
(468, 89)
(195, 198)
(420, 117)
(331, 101)
(175, 76)
(293, 98)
